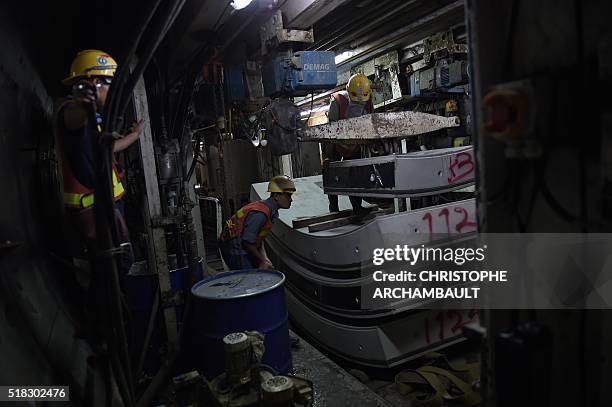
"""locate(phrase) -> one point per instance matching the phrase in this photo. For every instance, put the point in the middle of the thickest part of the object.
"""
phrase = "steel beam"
(379, 126)
(304, 13)
(440, 19)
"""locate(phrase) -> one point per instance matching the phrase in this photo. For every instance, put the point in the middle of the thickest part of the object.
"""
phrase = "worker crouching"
(242, 239)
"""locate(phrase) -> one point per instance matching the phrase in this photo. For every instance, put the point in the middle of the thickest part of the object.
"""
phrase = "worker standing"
(353, 102)
(91, 74)
(243, 235)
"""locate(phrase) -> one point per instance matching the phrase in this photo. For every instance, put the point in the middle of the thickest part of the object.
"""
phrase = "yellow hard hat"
(359, 88)
(91, 62)
(281, 183)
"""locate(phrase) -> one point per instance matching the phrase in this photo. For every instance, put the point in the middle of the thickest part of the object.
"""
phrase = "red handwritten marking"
(458, 321)
(464, 222)
(461, 166)
(441, 317)
(427, 217)
(444, 212)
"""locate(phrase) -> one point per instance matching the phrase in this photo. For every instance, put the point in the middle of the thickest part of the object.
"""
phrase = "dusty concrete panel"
(379, 126)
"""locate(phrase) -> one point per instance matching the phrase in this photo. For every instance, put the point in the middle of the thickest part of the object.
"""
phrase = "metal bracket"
(440, 45)
(402, 175)
(272, 33)
(161, 221)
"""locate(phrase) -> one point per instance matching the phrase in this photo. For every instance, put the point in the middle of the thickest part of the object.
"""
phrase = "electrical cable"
(104, 265)
(578, 15)
(583, 384)
(104, 208)
(146, 56)
(176, 127)
(116, 88)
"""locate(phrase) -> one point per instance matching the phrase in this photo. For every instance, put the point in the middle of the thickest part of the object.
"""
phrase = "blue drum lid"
(237, 284)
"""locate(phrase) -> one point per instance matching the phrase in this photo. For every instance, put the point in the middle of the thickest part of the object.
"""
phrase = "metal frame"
(386, 345)
(353, 244)
(402, 175)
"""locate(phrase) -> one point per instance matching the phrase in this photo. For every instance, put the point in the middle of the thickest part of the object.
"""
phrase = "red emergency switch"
(506, 112)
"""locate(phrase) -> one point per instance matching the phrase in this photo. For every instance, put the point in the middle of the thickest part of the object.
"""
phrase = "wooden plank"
(319, 227)
(303, 222)
(157, 235)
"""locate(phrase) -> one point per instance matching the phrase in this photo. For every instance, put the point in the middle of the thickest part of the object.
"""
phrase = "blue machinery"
(299, 74)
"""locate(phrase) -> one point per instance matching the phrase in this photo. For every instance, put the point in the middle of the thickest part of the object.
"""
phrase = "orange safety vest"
(347, 150)
(234, 226)
(77, 195)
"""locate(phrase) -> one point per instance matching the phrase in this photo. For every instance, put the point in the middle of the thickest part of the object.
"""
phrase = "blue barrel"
(237, 301)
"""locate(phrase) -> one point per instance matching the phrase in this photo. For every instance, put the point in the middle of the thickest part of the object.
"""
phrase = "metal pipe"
(104, 263)
(389, 12)
(341, 31)
(320, 96)
(115, 90)
(387, 42)
(147, 55)
(164, 373)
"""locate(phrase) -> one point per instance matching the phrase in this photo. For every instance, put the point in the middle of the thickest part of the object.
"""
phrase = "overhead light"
(240, 4)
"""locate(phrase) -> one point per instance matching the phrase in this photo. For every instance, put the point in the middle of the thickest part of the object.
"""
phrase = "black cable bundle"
(105, 265)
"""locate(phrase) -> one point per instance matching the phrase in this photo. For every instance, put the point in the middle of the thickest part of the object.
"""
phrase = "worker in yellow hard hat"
(243, 235)
(354, 102)
(90, 76)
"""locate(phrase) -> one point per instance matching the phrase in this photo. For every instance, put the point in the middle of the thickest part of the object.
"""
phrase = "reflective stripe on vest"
(77, 195)
(87, 199)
